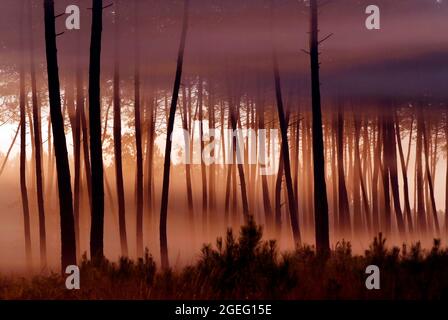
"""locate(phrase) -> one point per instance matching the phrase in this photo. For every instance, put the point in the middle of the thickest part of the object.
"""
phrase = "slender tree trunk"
(203, 168)
(38, 151)
(138, 138)
(264, 181)
(187, 159)
(385, 177)
(344, 209)
(77, 150)
(170, 127)
(419, 175)
(430, 181)
(391, 164)
(292, 205)
(68, 242)
(407, 204)
(96, 155)
(212, 169)
(320, 190)
(365, 199)
(23, 187)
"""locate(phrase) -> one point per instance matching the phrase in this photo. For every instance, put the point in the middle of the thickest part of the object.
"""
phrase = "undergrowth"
(247, 267)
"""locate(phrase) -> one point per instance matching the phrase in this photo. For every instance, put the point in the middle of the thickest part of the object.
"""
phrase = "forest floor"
(246, 267)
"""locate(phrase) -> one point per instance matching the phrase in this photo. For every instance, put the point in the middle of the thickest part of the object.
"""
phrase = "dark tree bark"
(430, 181)
(203, 168)
(170, 127)
(68, 242)
(186, 129)
(138, 137)
(23, 187)
(385, 177)
(344, 209)
(264, 181)
(117, 142)
(77, 149)
(320, 190)
(393, 172)
(96, 155)
(37, 150)
(407, 204)
(421, 215)
(359, 172)
(285, 144)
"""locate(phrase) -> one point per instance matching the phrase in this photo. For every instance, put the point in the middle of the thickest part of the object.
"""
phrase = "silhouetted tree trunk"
(430, 181)
(419, 175)
(234, 115)
(385, 177)
(344, 209)
(365, 199)
(37, 149)
(264, 181)
(22, 102)
(68, 242)
(212, 169)
(186, 129)
(391, 164)
(150, 155)
(96, 155)
(170, 127)
(203, 168)
(320, 190)
(138, 137)
(285, 144)
(407, 204)
(77, 149)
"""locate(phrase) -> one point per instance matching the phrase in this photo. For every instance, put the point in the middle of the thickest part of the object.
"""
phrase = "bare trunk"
(320, 189)
(138, 138)
(170, 127)
(23, 188)
(97, 209)
(68, 242)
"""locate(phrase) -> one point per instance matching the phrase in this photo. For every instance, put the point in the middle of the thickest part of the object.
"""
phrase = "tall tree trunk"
(234, 115)
(344, 209)
(187, 159)
(22, 103)
(68, 242)
(385, 177)
(203, 168)
(117, 144)
(37, 150)
(430, 181)
(96, 154)
(292, 205)
(212, 169)
(264, 181)
(421, 215)
(391, 164)
(170, 127)
(407, 203)
(320, 190)
(138, 137)
(365, 199)
(77, 150)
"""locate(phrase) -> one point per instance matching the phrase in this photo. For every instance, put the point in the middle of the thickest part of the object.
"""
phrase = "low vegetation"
(246, 267)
